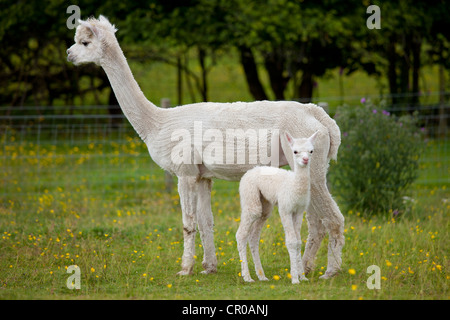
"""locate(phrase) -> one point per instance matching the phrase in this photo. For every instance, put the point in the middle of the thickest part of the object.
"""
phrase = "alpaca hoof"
(295, 281)
(304, 279)
(209, 268)
(209, 271)
(263, 279)
(308, 267)
(307, 270)
(248, 279)
(328, 275)
(185, 273)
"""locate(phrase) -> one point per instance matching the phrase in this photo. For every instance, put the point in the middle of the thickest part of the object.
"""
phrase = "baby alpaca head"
(91, 38)
(302, 148)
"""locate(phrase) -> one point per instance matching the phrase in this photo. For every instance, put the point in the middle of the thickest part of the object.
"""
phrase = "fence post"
(168, 178)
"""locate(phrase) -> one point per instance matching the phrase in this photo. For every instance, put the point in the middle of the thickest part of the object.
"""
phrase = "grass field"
(99, 202)
(101, 205)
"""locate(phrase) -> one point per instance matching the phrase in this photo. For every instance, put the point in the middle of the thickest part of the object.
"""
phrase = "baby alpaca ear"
(289, 138)
(313, 138)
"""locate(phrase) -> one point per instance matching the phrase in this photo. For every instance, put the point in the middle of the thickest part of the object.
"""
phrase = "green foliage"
(378, 159)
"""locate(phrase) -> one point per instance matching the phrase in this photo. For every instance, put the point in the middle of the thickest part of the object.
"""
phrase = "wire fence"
(94, 148)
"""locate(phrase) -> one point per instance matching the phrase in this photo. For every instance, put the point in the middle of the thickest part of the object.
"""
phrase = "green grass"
(102, 206)
(99, 203)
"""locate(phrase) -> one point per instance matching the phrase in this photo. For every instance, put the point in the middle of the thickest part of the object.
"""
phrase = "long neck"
(302, 178)
(141, 113)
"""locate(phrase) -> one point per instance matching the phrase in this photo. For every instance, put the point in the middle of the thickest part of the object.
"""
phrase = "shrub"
(378, 159)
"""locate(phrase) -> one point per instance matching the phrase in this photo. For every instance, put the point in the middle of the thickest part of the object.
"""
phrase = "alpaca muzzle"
(70, 57)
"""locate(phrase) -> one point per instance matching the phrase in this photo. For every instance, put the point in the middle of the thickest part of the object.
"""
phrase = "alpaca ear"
(102, 18)
(289, 138)
(95, 31)
(105, 20)
(313, 138)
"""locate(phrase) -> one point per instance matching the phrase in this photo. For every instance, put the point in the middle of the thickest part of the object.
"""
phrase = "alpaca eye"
(295, 152)
(85, 43)
(311, 151)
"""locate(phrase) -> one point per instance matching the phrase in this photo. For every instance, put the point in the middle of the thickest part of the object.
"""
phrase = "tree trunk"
(392, 74)
(442, 127)
(204, 72)
(416, 47)
(179, 82)
(305, 90)
(251, 73)
(405, 67)
(114, 109)
(274, 64)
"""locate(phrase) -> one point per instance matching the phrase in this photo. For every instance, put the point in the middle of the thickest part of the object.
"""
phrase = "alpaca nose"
(305, 160)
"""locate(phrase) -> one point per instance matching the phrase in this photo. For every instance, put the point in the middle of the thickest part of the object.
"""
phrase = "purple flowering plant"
(378, 158)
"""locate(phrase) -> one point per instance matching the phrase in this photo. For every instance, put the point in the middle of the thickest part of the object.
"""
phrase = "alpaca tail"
(333, 129)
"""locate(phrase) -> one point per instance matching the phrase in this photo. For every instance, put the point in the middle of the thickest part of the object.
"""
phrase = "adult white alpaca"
(160, 129)
(263, 187)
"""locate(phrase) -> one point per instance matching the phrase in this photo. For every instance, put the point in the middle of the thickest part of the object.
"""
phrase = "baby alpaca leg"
(255, 235)
(251, 210)
(297, 219)
(242, 237)
(291, 243)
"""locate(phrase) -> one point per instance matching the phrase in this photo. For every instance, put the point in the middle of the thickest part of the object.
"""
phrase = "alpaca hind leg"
(205, 222)
(316, 233)
(188, 201)
(323, 205)
(335, 228)
(242, 237)
(255, 235)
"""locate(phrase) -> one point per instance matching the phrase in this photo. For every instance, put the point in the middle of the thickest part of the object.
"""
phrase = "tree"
(296, 41)
(396, 50)
(34, 66)
(439, 53)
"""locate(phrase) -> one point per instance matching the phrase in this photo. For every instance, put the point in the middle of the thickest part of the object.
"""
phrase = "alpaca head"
(302, 148)
(92, 37)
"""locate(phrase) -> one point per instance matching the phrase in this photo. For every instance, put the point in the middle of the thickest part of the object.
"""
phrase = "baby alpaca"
(263, 187)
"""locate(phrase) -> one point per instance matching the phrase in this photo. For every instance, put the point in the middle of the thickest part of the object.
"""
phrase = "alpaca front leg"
(293, 249)
(297, 219)
(188, 201)
(291, 243)
(206, 226)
